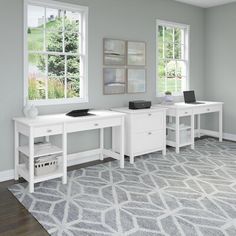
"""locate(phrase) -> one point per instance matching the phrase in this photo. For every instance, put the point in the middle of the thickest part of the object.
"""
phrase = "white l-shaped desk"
(45, 126)
(181, 109)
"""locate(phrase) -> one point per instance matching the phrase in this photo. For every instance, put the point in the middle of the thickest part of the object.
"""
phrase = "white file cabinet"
(145, 131)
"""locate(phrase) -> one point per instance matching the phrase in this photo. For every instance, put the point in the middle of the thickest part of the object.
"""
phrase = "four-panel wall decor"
(124, 68)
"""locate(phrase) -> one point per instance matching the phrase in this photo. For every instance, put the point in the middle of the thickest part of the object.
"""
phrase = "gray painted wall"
(220, 79)
(124, 19)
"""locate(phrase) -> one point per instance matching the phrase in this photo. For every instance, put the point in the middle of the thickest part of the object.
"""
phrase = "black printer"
(139, 104)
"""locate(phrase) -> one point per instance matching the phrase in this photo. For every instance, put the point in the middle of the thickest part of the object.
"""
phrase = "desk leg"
(164, 137)
(131, 159)
(31, 162)
(199, 126)
(16, 152)
(122, 142)
(177, 139)
(192, 131)
(47, 139)
(220, 125)
(64, 156)
(101, 143)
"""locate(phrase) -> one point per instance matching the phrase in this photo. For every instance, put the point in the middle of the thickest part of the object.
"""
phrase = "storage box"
(44, 165)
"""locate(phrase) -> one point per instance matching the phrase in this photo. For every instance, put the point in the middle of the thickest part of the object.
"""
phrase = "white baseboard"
(6, 175)
(231, 137)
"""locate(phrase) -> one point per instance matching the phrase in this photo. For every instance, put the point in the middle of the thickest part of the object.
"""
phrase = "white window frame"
(83, 52)
(186, 29)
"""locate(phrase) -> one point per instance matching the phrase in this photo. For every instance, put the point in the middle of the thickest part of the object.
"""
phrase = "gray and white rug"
(191, 193)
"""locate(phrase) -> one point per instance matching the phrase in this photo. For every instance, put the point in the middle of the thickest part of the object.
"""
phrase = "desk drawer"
(147, 121)
(185, 112)
(148, 141)
(206, 109)
(92, 124)
(47, 130)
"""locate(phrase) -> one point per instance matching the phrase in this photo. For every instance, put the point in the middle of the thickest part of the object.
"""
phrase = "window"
(55, 54)
(172, 58)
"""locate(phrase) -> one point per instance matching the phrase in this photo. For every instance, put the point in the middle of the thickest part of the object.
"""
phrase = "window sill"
(174, 95)
(57, 101)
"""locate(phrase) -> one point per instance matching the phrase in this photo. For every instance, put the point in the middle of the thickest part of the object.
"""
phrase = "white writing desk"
(181, 109)
(45, 126)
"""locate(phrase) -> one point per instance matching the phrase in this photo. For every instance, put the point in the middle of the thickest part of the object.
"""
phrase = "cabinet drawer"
(89, 125)
(185, 112)
(47, 130)
(207, 109)
(148, 141)
(147, 121)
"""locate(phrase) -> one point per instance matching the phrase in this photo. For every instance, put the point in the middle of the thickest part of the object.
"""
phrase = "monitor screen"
(189, 96)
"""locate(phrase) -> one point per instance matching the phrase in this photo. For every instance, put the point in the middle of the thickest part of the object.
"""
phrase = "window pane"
(178, 36)
(160, 41)
(35, 17)
(170, 84)
(54, 19)
(180, 69)
(161, 69)
(35, 39)
(170, 69)
(169, 35)
(56, 65)
(161, 85)
(36, 76)
(72, 42)
(179, 49)
(36, 87)
(35, 28)
(72, 20)
(73, 66)
(73, 87)
(56, 87)
(54, 41)
(179, 85)
(169, 48)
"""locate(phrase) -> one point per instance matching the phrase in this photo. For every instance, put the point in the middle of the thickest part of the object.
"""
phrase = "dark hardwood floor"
(15, 220)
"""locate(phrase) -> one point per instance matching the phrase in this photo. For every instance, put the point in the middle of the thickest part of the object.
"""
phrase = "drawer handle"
(149, 133)
(96, 124)
(149, 114)
(208, 109)
(49, 131)
(186, 112)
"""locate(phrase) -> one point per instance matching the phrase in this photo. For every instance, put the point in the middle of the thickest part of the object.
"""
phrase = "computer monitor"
(189, 96)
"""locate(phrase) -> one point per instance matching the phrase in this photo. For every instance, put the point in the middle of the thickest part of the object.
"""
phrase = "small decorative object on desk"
(32, 112)
(168, 98)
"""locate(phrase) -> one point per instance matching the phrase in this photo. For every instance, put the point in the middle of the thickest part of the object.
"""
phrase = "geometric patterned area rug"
(192, 193)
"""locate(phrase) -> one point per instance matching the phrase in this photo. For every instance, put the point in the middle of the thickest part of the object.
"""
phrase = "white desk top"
(63, 118)
(182, 105)
(137, 111)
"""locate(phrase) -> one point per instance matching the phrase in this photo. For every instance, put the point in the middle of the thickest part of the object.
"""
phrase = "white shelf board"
(182, 128)
(173, 143)
(24, 172)
(41, 151)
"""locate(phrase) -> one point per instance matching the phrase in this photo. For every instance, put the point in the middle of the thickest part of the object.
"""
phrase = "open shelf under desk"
(40, 151)
(181, 128)
(24, 172)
